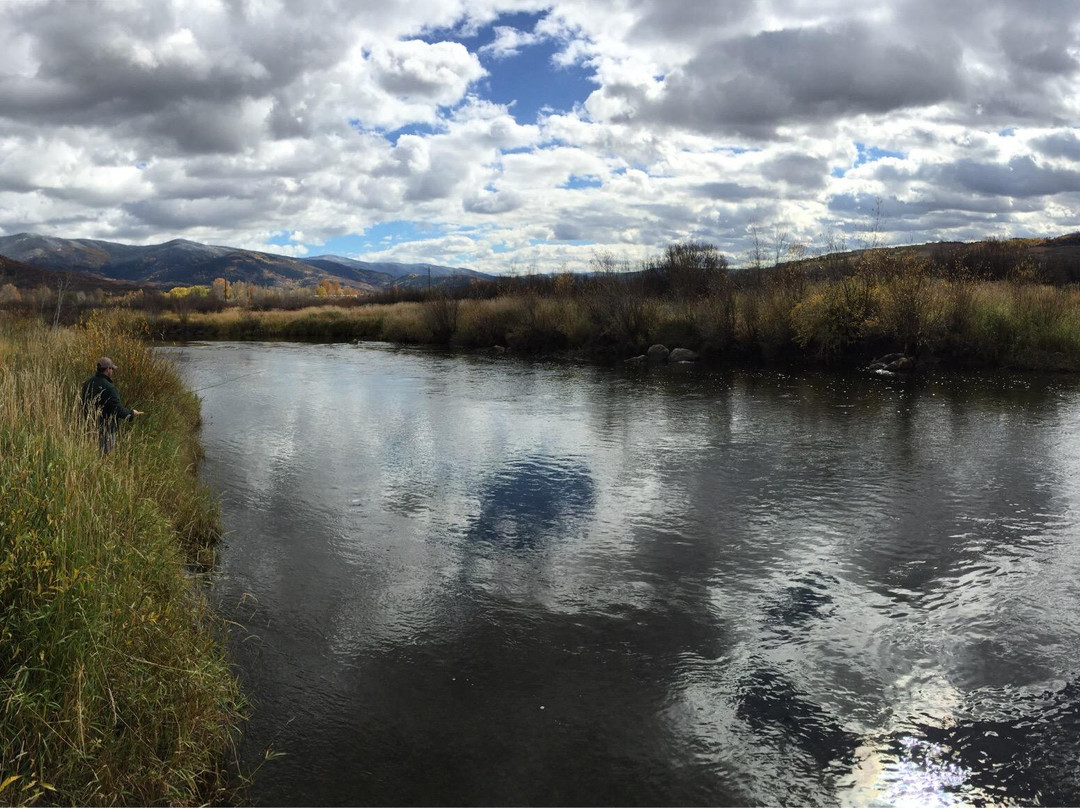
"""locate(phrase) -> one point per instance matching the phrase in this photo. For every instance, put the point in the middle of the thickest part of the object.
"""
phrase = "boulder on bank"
(658, 353)
(636, 361)
(682, 355)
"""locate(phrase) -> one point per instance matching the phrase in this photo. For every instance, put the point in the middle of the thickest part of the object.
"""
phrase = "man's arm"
(111, 406)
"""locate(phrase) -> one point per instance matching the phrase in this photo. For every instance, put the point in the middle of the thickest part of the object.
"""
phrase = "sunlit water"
(464, 580)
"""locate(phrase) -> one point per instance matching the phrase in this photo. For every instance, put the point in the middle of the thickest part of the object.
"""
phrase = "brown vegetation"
(994, 303)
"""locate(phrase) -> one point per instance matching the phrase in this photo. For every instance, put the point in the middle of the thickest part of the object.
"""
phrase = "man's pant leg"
(108, 438)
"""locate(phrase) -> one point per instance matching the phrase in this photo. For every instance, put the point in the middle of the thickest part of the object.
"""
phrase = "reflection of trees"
(773, 707)
(524, 707)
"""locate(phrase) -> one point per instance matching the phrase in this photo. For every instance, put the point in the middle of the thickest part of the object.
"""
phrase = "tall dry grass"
(888, 301)
(113, 688)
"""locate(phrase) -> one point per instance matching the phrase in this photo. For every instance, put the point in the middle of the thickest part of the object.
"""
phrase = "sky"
(512, 136)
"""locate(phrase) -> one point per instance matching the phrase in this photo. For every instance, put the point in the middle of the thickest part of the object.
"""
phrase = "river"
(471, 580)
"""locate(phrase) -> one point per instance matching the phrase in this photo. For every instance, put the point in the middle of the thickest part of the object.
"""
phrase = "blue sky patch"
(380, 236)
(869, 154)
(575, 182)
(527, 80)
(419, 129)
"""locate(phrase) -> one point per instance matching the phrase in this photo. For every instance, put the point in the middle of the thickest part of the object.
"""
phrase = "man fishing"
(101, 399)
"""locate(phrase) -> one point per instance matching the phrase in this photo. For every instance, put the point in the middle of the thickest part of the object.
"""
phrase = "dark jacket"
(100, 396)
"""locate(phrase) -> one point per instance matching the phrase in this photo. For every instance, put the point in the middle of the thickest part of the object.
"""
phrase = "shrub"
(834, 317)
(441, 316)
(907, 307)
(688, 270)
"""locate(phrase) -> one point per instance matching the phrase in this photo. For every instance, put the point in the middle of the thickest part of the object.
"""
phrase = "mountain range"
(189, 263)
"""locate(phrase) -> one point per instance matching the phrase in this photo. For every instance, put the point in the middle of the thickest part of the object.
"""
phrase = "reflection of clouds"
(816, 568)
(872, 577)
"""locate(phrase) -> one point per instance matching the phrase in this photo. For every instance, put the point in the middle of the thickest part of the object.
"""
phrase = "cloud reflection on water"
(755, 587)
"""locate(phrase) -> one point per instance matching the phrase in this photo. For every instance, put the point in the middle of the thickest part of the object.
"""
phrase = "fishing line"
(227, 381)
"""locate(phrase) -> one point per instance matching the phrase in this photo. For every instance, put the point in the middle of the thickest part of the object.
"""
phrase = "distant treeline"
(992, 303)
(846, 309)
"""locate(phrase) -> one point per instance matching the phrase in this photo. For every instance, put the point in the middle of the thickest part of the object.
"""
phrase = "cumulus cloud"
(229, 122)
(439, 72)
(751, 85)
(509, 41)
(1019, 178)
(492, 202)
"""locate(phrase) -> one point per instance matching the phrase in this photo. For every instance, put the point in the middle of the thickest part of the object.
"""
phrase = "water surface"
(465, 580)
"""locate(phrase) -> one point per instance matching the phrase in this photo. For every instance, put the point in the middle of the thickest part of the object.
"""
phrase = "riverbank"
(115, 689)
(993, 324)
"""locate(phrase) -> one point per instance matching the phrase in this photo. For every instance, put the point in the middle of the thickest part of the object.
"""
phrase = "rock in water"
(682, 355)
(658, 353)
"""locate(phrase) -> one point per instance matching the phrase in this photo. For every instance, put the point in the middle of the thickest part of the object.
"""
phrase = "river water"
(466, 580)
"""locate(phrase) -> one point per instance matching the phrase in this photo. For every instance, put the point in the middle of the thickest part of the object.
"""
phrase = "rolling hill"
(27, 276)
(187, 263)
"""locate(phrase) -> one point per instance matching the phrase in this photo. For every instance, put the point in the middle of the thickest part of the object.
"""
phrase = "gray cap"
(105, 363)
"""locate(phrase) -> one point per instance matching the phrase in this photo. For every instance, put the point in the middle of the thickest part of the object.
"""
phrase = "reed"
(887, 302)
(113, 686)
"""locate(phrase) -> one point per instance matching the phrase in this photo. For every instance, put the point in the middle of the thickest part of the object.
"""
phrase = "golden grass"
(113, 689)
(891, 303)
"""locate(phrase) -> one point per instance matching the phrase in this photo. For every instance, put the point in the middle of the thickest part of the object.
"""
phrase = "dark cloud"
(801, 170)
(1020, 177)
(172, 215)
(570, 231)
(158, 71)
(439, 183)
(983, 61)
(1059, 144)
(97, 63)
(755, 83)
(198, 127)
(685, 20)
(934, 203)
(1038, 50)
(729, 191)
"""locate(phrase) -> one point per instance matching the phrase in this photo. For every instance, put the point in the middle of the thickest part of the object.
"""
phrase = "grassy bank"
(113, 689)
(888, 303)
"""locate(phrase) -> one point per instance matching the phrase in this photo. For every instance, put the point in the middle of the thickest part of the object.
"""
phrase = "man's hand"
(136, 412)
